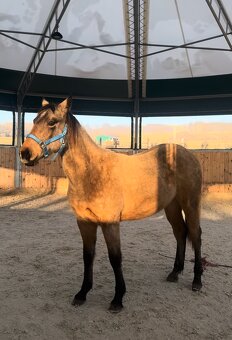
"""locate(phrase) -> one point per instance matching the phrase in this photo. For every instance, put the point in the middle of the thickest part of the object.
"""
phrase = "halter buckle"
(44, 149)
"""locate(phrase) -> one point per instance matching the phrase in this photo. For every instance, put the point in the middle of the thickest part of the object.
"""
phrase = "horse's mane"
(51, 106)
(73, 128)
(77, 134)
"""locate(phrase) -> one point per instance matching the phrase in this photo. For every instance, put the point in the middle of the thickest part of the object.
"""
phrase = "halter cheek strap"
(43, 145)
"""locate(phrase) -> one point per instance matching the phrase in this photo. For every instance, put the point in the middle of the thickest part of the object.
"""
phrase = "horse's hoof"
(172, 277)
(77, 301)
(196, 286)
(115, 308)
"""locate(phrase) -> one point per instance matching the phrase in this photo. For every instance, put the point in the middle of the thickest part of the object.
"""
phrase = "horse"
(106, 188)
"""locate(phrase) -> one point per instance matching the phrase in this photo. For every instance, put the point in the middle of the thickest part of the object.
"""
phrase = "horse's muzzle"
(27, 157)
(30, 163)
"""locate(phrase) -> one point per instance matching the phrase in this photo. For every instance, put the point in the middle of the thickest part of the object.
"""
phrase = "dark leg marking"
(175, 218)
(89, 235)
(194, 233)
(198, 268)
(112, 237)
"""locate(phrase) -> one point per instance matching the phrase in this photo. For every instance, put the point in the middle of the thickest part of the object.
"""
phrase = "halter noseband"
(43, 145)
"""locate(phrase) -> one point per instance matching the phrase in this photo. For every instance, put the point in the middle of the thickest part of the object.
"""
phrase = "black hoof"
(196, 286)
(115, 308)
(172, 277)
(78, 301)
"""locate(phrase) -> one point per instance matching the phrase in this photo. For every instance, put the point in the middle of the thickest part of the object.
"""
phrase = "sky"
(96, 121)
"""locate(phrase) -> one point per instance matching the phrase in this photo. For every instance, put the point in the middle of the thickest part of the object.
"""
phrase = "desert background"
(193, 136)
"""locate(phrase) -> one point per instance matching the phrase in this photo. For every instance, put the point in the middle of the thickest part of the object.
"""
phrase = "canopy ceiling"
(118, 57)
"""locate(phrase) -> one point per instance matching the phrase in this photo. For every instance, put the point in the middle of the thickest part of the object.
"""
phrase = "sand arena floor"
(41, 270)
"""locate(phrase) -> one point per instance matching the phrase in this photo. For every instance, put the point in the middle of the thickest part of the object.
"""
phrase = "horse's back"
(173, 158)
(176, 158)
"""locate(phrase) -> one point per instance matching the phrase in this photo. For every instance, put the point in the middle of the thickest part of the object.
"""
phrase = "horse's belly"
(145, 203)
(136, 213)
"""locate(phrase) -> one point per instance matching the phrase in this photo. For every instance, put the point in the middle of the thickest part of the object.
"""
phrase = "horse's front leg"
(88, 232)
(112, 237)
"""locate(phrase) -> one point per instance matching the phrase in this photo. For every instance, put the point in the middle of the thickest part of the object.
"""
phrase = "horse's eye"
(52, 122)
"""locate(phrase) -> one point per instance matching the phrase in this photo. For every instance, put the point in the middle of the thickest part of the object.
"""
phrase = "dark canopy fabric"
(119, 58)
(169, 97)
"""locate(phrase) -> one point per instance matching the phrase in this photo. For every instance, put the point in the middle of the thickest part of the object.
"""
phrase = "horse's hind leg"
(88, 232)
(194, 235)
(174, 216)
(112, 237)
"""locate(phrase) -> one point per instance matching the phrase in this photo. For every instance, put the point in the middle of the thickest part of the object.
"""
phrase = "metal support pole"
(129, 28)
(14, 129)
(140, 133)
(144, 19)
(136, 131)
(51, 25)
(132, 132)
(222, 18)
(18, 166)
(137, 69)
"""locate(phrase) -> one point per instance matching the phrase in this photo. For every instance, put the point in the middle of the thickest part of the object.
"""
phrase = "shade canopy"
(118, 57)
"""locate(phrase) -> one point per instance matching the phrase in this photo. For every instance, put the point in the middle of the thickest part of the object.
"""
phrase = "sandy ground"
(41, 270)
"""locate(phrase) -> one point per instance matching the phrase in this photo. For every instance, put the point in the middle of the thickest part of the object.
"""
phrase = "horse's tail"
(193, 229)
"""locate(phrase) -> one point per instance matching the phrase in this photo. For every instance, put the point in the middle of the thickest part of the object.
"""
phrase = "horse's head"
(47, 134)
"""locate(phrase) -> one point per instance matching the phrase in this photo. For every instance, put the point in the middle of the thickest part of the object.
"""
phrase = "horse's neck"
(81, 153)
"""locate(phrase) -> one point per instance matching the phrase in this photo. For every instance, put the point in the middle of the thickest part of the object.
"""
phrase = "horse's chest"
(84, 212)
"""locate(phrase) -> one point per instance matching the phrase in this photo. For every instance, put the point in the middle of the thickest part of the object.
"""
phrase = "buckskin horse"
(106, 187)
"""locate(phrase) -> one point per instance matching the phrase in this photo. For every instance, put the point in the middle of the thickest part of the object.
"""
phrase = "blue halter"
(43, 145)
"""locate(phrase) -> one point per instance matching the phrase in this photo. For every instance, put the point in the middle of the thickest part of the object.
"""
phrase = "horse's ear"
(44, 102)
(69, 99)
(66, 104)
